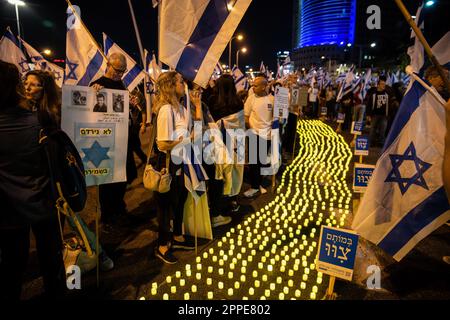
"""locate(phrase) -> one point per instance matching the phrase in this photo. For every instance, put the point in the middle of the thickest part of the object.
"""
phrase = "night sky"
(267, 29)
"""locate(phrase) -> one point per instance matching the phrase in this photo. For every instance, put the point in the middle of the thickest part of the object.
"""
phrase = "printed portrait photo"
(79, 98)
(118, 102)
(101, 103)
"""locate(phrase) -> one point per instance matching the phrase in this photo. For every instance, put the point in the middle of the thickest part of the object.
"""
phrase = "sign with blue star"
(421, 167)
(95, 154)
(72, 67)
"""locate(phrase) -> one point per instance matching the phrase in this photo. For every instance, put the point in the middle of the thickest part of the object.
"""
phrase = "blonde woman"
(171, 129)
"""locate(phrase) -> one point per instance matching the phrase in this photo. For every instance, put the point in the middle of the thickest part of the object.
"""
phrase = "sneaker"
(446, 259)
(186, 245)
(262, 190)
(250, 193)
(168, 257)
(220, 221)
(106, 264)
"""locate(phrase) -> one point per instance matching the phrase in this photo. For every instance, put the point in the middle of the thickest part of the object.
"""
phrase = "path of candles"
(271, 253)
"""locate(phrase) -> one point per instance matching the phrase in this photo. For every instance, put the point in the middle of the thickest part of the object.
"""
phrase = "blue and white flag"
(218, 70)
(85, 61)
(152, 66)
(134, 74)
(40, 63)
(240, 80)
(366, 86)
(405, 200)
(275, 150)
(194, 33)
(347, 85)
(11, 52)
(416, 51)
(262, 68)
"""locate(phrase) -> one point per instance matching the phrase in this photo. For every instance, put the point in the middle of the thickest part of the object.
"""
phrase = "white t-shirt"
(165, 123)
(260, 113)
(313, 92)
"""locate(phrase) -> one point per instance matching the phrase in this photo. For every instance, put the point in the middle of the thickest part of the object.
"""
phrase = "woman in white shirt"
(171, 128)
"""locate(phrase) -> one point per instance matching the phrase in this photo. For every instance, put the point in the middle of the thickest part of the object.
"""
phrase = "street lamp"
(240, 37)
(17, 4)
(47, 52)
(243, 50)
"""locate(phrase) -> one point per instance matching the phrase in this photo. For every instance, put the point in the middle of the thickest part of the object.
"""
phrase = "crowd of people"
(30, 104)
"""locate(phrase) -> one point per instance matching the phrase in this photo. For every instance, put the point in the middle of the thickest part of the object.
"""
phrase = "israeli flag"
(194, 173)
(416, 51)
(366, 85)
(40, 63)
(347, 85)
(218, 70)
(135, 73)
(85, 61)
(240, 79)
(193, 34)
(11, 52)
(262, 68)
(405, 200)
(154, 69)
(275, 150)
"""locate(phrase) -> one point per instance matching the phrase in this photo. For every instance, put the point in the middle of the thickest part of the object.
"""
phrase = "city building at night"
(330, 32)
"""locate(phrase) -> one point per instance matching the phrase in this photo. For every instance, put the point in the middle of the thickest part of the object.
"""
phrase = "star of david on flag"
(405, 200)
(420, 166)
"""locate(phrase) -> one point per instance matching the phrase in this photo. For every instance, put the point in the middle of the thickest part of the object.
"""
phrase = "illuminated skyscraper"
(326, 22)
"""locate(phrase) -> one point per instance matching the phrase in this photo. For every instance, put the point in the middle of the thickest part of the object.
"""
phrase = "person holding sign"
(111, 195)
(258, 110)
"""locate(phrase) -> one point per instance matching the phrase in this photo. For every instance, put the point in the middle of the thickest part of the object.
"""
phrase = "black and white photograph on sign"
(118, 102)
(79, 98)
(101, 106)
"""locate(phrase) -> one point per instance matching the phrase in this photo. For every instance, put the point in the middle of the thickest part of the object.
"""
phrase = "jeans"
(359, 112)
(378, 129)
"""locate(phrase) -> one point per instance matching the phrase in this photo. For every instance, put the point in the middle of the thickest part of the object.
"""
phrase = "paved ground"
(421, 275)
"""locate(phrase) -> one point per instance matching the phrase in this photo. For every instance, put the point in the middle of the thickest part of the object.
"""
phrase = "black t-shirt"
(109, 83)
(380, 102)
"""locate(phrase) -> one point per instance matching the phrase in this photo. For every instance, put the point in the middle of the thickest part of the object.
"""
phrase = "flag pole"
(87, 30)
(424, 42)
(148, 99)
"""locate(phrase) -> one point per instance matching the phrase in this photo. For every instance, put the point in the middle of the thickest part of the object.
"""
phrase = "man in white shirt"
(312, 100)
(258, 110)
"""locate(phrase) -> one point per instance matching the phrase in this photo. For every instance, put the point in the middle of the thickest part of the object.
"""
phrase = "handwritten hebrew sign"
(337, 252)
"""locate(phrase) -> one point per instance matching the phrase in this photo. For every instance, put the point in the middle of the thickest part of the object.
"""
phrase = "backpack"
(66, 169)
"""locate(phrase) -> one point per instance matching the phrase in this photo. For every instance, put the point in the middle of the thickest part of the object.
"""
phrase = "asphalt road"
(420, 275)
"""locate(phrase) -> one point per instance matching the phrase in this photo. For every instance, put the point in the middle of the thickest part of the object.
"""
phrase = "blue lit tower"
(322, 28)
(326, 22)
